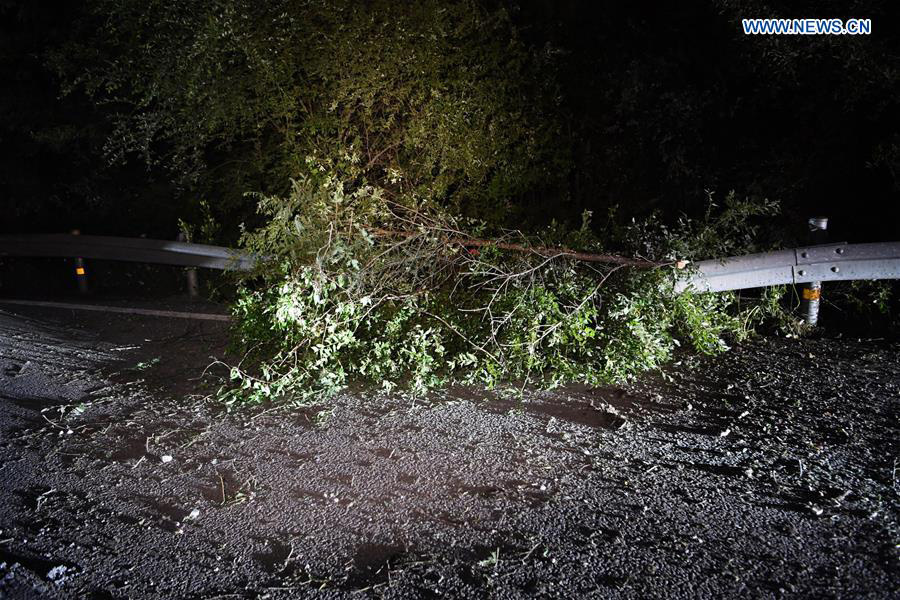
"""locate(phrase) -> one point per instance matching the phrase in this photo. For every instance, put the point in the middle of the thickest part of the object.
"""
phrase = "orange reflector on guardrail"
(79, 270)
(811, 294)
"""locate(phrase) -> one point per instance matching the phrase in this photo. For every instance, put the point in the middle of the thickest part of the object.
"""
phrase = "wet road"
(767, 472)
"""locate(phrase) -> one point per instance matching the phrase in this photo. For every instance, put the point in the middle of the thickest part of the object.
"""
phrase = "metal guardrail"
(126, 249)
(829, 262)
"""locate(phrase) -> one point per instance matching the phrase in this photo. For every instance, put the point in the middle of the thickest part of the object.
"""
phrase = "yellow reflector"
(809, 294)
(79, 270)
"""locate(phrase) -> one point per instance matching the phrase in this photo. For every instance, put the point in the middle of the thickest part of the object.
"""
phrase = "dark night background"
(660, 102)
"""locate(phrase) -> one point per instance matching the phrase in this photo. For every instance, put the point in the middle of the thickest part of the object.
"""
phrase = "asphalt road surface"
(768, 472)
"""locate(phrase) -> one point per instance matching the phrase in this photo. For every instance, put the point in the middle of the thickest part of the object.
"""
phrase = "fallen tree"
(401, 293)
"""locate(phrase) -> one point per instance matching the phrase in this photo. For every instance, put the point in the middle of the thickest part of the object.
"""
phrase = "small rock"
(725, 433)
(748, 472)
(167, 458)
(194, 514)
(816, 510)
(57, 574)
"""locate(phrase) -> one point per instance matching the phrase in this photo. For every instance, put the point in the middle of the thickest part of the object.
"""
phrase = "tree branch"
(546, 251)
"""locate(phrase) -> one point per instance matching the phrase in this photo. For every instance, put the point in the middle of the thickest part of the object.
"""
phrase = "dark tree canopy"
(508, 111)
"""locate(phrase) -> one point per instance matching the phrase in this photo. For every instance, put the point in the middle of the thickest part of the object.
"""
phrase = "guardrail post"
(193, 286)
(80, 271)
(812, 291)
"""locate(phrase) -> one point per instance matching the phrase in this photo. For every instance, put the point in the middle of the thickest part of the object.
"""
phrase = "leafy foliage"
(338, 302)
(439, 98)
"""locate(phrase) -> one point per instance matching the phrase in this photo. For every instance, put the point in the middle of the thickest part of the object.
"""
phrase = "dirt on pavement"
(770, 471)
